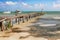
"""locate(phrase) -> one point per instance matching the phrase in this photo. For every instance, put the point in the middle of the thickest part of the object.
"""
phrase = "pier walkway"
(9, 22)
(15, 32)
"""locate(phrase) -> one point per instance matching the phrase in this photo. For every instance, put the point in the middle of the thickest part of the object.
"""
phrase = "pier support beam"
(26, 17)
(18, 20)
(2, 26)
(11, 24)
(23, 19)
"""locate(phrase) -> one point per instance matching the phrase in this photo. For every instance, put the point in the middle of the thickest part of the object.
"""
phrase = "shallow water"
(44, 31)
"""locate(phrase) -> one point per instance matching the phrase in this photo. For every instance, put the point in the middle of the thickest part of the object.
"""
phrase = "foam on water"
(49, 21)
(37, 23)
(56, 17)
(45, 25)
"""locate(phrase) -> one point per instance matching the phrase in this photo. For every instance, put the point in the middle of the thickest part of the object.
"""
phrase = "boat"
(17, 11)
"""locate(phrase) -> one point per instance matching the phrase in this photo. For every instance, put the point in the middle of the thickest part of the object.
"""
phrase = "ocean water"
(26, 12)
(50, 17)
(47, 25)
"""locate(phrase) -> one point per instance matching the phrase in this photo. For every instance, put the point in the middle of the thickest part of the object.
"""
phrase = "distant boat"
(17, 11)
(7, 12)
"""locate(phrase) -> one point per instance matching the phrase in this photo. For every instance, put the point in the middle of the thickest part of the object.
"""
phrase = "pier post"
(23, 19)
(6, 25)
(11, 23)
(18, 20)
(26, 17)
(1, 26)
(29, 16)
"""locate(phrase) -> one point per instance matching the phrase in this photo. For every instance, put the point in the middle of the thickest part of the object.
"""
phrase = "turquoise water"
(47, 30)
(47, 13)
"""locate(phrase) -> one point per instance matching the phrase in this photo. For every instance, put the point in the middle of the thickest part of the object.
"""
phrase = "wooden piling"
(2, 26)
(18, 19)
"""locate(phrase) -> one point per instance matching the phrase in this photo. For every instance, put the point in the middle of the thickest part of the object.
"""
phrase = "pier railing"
(8, 22)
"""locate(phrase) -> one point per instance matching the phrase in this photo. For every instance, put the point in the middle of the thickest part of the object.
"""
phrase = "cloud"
(10, 3)
(33, 6)
(56, 5)
(21, 5)
(39, 5)
(25, 4)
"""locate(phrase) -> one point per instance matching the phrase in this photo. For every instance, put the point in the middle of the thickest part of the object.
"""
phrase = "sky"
(30, 5)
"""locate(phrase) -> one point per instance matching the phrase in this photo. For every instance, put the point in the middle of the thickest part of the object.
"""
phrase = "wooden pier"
(18, 18)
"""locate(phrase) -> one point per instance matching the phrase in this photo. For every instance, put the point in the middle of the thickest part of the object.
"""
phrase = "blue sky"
(29, 5)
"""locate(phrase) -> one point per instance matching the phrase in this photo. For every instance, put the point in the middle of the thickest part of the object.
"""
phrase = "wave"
(45, 25)
(56, 17)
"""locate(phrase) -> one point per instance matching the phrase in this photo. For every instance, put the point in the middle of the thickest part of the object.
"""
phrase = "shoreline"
(20, 32)
(23, 26)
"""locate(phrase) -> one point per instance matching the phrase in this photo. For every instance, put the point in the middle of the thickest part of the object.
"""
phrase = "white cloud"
(33, 6)
(11, 3)
(39, 5)
(25, 4)
(56, 5)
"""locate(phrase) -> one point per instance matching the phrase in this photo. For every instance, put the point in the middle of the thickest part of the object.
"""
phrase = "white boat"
(7, 12)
